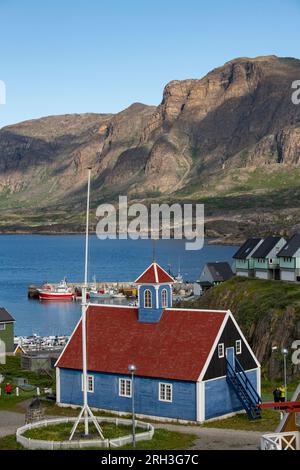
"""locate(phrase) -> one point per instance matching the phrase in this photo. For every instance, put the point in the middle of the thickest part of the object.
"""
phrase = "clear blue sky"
(64, 56)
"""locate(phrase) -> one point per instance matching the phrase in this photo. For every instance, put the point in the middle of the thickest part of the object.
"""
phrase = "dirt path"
(10, 421)
(218, 439)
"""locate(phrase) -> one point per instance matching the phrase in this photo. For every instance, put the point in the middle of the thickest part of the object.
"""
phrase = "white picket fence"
(281, 441)
(34, 444)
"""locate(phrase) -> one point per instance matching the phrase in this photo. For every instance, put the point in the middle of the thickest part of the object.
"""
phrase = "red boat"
(59, 292)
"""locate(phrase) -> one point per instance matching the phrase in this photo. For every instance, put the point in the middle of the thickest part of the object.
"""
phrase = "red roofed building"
(181, 357)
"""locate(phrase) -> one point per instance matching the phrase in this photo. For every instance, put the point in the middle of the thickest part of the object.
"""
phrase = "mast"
(85, 410)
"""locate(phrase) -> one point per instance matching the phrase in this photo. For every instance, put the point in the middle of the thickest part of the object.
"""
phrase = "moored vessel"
(59, 292)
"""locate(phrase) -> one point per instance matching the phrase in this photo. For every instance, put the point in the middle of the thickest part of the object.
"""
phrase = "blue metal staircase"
(244, 389)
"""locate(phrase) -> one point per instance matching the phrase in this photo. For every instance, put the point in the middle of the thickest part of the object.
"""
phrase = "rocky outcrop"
(238, 117)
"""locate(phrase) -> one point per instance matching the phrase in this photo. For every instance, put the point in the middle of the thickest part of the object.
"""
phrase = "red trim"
(288, 406)
(154, 274)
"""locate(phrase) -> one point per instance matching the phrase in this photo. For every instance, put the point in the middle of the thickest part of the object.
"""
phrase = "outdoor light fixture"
(132, 370)
(284, 352)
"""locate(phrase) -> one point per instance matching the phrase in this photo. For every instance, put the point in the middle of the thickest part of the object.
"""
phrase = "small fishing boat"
(99, 294)
(117, 295)
(59, 292)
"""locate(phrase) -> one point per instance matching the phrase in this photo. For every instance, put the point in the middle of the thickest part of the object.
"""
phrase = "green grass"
(12, 369)
(252, 299)
(162, 440)
(61, 432)
(268, 422)
(166, 440)
(12, 402)
(10, 443)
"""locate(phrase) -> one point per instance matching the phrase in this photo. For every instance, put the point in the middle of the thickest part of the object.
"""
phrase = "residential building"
(6, 331)
(266, 261)
(243, 261)
(289, 260)
(215, 273)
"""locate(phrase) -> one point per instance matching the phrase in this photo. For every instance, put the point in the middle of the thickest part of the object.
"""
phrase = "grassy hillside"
(268, 313)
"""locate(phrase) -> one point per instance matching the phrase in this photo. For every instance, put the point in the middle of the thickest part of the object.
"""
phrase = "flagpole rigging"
(85, 410)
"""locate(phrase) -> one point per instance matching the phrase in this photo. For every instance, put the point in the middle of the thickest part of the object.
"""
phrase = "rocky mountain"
(230, 139)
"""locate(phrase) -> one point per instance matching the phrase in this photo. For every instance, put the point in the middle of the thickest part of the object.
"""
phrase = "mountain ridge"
(231, 135)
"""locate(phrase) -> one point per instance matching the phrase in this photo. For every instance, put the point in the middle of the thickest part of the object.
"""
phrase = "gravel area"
(10, 421)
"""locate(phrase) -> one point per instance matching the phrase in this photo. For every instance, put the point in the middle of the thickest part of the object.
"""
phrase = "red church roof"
(174, 348)
(154, 275)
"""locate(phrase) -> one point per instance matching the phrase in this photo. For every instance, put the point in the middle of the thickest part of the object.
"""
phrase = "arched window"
(164, 298)
(147, 298)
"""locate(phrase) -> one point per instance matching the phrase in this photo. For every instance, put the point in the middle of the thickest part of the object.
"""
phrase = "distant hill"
(268, 313)
(230, 139)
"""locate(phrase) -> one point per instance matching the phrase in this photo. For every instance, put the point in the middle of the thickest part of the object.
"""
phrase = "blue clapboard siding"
(221, 399)
(106, 395)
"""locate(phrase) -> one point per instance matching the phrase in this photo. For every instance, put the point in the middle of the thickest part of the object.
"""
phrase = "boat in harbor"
(99, 294)
(60, 291)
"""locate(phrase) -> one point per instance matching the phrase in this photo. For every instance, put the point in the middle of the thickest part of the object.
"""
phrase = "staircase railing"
(244, 389)
(247, 383)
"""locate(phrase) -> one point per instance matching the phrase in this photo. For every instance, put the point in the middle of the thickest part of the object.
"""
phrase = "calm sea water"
(34, 259)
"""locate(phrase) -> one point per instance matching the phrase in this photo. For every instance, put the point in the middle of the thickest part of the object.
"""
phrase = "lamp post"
(132, 370)
(284, 352)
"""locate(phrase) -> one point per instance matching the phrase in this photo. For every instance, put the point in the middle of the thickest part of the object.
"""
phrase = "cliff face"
(206, 139)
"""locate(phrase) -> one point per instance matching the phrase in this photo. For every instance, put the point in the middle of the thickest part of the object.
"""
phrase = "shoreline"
(208, 240)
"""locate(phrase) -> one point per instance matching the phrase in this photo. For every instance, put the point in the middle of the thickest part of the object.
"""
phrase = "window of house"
(221, 350)
(164, 298)
(297, 419)
(147, 298)
(89, 383)
(238, 347)
(125, 388)
(2, 326)
(165, 392)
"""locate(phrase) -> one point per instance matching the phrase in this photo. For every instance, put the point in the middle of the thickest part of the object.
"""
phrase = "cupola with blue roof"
(155, 293)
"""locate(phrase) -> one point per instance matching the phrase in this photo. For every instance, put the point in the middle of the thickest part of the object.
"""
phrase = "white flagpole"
(84, 308)
(85, 411)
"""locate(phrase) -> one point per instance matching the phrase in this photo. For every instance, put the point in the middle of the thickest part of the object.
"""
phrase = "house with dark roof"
(191, 365)
(289, 260)
(243, 260)
(215, 273)
(6, 331)
(266, 261)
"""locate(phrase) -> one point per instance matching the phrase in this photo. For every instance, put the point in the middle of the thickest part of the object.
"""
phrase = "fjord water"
(36, 259)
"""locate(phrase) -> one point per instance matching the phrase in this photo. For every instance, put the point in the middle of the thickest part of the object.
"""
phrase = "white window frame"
(2, 326)
(89, 380)
(238, 347)
(125, 382)
(162, 392)
(145, 292)
(221, 350)
(164, 292)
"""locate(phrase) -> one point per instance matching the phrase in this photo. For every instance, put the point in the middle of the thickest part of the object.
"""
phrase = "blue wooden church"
(191, 365)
